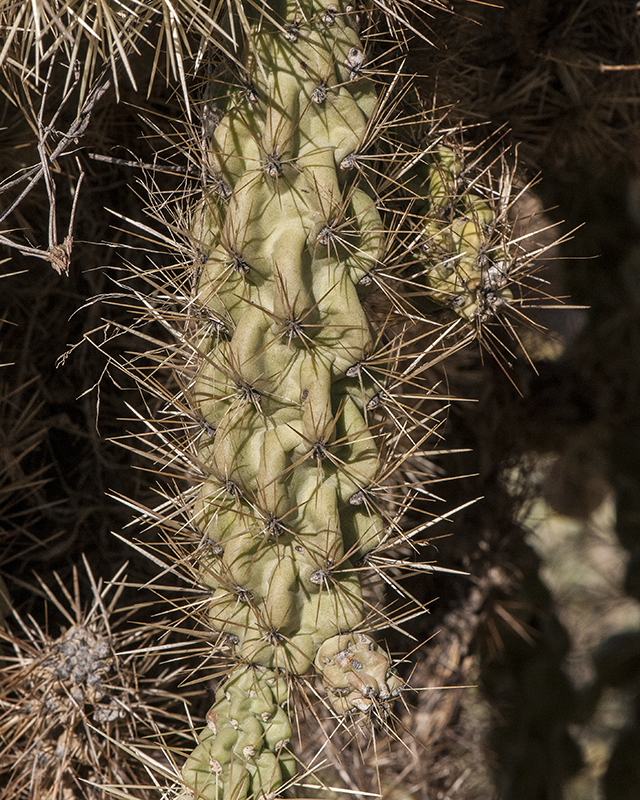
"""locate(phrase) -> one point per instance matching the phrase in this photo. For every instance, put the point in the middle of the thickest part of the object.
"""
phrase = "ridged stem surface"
(291, 450)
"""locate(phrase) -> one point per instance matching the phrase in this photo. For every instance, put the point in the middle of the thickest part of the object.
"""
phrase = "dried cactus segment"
(242, 751)
(463, 268)
(73, 708)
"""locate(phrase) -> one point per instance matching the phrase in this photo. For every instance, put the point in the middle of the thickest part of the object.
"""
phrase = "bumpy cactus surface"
(242, 749)
(288, 234)
(310, 384)
(463, 269)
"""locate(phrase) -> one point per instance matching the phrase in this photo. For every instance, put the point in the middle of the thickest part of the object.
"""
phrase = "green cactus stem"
(287, 234)
(294, 366)
(242, 751)
(291, 443)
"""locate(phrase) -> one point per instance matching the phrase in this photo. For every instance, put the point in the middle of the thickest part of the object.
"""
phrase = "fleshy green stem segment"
(291, 447)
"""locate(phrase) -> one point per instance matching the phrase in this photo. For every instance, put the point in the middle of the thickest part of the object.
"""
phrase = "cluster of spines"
(81, 705)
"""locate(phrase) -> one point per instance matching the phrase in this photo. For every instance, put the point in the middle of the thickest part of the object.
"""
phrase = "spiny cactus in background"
(75, 709)
(465, 254)
(463, 268)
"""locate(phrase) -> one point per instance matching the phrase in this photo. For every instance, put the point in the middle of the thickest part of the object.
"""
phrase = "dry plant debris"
(78, 708)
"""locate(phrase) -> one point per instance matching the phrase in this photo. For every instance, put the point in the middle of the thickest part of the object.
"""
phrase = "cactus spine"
(287, 235)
